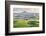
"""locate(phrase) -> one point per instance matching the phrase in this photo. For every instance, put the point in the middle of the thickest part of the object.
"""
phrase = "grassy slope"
(25, 23)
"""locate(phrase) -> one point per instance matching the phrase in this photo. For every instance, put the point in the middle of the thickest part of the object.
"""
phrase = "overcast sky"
(29, 10)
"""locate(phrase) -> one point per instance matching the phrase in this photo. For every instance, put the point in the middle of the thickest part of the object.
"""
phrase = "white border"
(25, 29)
